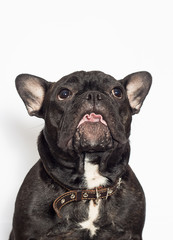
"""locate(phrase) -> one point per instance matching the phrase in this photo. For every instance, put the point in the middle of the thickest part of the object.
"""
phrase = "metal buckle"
(98, 195)
(109, 192)
(119, 183)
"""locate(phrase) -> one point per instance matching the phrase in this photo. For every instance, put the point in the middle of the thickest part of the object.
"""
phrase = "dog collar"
(88, 194)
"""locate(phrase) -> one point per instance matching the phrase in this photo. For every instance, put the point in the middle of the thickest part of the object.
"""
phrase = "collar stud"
(85, 195)
(72, 196)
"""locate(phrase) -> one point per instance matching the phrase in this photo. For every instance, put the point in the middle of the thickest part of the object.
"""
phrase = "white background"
(52, 38)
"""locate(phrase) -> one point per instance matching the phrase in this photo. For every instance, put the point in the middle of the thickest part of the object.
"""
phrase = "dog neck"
(106, 167)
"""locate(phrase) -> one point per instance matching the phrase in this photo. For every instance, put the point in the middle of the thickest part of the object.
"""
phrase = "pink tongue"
(92, 118)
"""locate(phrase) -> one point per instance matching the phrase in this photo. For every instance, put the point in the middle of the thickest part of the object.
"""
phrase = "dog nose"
(93, 96)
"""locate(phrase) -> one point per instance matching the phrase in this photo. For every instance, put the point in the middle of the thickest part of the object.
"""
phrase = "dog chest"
(93, 179)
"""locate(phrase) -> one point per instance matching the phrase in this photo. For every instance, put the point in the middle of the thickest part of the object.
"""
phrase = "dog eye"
(65, 93)
(117, 93)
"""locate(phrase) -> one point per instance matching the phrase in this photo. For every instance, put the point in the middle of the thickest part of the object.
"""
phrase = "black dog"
(82, 187)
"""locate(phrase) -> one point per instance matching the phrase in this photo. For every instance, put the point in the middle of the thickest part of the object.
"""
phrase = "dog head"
(85, 112)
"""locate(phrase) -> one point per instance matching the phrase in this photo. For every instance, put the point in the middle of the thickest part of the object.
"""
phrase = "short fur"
(64, 146)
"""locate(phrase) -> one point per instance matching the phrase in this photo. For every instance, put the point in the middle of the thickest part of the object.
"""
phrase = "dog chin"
(92, 137)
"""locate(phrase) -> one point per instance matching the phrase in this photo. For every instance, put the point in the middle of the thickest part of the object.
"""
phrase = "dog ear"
(32, 90)
(137, 86)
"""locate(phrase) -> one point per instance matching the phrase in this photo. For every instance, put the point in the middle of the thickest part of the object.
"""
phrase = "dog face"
(85, 112)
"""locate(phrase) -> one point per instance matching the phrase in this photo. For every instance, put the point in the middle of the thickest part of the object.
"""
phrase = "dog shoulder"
(38, 190)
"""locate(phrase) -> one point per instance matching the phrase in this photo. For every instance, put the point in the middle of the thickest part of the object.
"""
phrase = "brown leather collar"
(88, 194)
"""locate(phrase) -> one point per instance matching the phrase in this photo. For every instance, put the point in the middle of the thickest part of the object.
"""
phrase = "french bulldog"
(82, 187)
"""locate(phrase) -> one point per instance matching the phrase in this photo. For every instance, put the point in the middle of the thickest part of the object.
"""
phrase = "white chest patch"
(93, 179)
(92, 216)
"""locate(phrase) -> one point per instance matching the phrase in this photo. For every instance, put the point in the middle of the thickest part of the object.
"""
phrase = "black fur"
(62, 152)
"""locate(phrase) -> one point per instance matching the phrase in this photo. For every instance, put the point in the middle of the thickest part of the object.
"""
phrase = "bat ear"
(32, 90)
(137, 86)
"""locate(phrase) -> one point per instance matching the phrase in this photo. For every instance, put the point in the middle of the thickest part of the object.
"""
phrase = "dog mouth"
(92, 134)
(92, 118)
